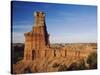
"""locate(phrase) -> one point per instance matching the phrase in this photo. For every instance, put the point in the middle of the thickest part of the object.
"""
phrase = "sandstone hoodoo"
(38, 39)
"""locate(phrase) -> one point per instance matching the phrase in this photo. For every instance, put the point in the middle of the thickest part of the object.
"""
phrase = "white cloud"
(22, 28)
(18, 37)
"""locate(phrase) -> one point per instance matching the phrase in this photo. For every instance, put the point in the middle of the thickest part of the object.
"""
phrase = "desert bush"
(92, 60)
(77, 66)
(62, 68)
(55, 65)
(27, 70)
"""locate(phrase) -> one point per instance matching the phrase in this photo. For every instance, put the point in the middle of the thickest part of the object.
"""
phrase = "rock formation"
(37, 39)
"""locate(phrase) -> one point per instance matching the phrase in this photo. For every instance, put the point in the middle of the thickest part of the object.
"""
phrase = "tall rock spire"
(39, 19)
(38, 39)
(40, 26)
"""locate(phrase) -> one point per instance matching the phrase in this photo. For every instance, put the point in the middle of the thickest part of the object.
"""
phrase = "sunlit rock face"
(37, 40)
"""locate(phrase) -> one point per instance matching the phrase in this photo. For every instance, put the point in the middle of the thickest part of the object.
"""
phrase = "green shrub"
(62, 68)
(77, 66)
(27, 70)
(92, 60)
(55, 65)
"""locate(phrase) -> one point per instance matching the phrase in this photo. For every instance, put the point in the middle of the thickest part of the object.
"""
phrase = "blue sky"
(65, 23)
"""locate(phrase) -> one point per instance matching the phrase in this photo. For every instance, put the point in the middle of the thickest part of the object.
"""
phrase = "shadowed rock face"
(39, 56)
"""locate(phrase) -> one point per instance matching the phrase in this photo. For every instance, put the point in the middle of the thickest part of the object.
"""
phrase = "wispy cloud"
(18, 37)
(21, 28)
